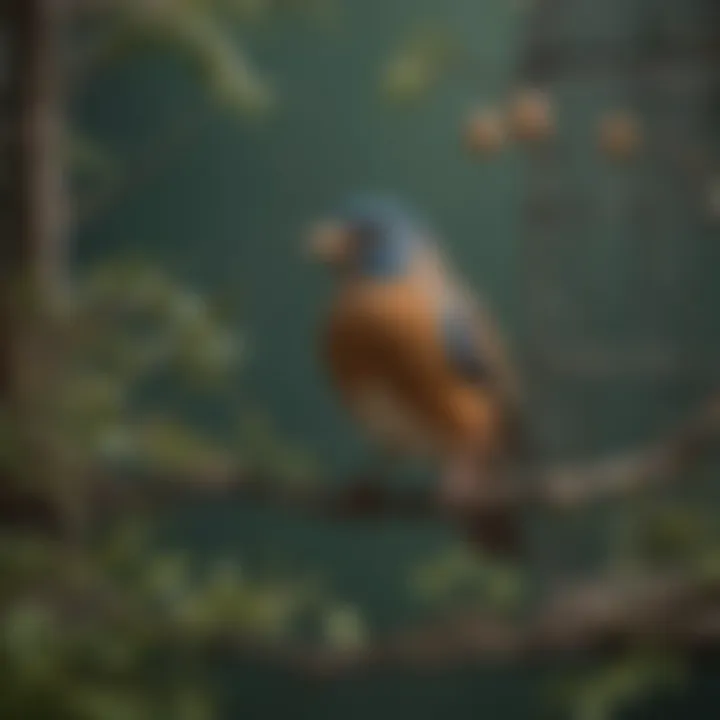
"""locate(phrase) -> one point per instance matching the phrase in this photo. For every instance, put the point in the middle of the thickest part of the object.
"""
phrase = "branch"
(671, 612)
(667, 613)
(601, 617)
(560, 487)
(656, 465)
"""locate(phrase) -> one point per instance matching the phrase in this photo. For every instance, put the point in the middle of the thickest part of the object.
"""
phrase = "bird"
(417, 360)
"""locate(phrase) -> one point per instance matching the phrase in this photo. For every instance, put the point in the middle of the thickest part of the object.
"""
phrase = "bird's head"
(370, 237)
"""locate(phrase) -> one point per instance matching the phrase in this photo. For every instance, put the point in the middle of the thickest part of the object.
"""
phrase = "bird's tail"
(498, 529)
(474, 487)
(469, 490)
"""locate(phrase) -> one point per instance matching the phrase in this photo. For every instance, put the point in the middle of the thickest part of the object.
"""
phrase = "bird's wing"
(491, 343)
(463, 348)
(476, 349)
(470, 338)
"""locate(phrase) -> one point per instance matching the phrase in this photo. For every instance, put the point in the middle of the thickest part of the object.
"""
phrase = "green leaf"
(462, 573)
(418, 64)
(92, 702)
(608, 689)
(344, 628)
(169, 446)
(194, 32)
(30, 638)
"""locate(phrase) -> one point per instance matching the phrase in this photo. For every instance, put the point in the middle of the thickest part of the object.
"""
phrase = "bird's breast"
(382, 347)
(391, 420)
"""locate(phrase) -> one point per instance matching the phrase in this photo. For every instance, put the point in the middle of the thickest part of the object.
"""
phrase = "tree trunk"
(32, 225)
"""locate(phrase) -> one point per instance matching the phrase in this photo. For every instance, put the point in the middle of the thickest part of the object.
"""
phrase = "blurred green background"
(627, 268)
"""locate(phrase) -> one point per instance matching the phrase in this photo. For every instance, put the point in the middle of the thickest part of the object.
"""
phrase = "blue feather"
(382, 211)
(388, 234)
(461, 345)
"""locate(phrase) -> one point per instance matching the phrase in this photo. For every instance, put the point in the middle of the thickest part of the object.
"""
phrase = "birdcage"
(620, 251)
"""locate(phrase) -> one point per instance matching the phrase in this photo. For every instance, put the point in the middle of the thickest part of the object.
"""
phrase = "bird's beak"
(330, 242)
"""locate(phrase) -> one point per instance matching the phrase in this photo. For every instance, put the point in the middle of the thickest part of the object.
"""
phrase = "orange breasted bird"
(417, 361)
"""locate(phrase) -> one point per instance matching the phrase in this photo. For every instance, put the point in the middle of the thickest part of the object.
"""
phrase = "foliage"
(602, 692)
(100, 621)
(191, 29)
(127, 632)
(418, 64)
(84, 629)
(112, 626)
(462, 575)
(130, 327)
(203, 34)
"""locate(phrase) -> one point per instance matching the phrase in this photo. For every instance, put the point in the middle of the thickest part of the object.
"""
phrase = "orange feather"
(387, 334)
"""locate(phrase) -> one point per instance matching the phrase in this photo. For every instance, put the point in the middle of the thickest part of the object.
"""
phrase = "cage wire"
(619, 256)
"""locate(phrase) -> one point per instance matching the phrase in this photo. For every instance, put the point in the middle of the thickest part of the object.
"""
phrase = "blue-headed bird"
(416, 359)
